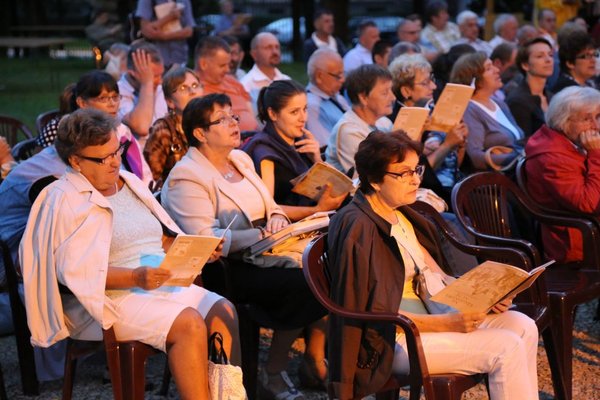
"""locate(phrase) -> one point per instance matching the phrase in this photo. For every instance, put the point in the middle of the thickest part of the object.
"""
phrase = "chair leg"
(3, 395)
(415, 392)
(562, 325)
(133, 373)
(550, 345)
(597, 318)
(113, 359)
(249, 337)
(69, 376)
(166, 380)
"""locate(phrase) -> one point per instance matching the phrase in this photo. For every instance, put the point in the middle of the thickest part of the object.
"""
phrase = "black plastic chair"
(43, 118)
(24, 149)
(486, 203)
(11, 127)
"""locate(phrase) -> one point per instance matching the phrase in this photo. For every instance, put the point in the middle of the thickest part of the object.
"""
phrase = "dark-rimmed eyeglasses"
(589, 55)
(427, 81)
(419, 170)
(106, 99)
(108, 158)
(337, 77)
(224, 120)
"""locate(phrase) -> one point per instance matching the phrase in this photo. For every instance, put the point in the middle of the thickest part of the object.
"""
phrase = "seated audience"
(374, 244)
(213, 56)
(413, 85)
(167, 142)
(489, 120)
(577, 57)
(403, 48)
(102, 230)
(116, 60)
(322, 37)
(266, 53)
(369, 88)
(142, 98)
(527, 32)
(505, 28)
(381, 53)
(368, 34)
(326, 105)
(213, 184)
(171, 43)
(439, 34)
(563, 166)
(409, 31)
(469, 32)
(65, 105)
(237, 56)
(285, 150)
(442, 66)
(528, 102)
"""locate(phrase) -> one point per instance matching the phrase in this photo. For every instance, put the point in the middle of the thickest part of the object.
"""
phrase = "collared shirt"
(356, 57)
(130, 98)
(498, 40)
(440, 40)
(330, 43)
(239, 100)
(323, 114)
(124, 131)
(172, 51)
(255, 80)
(347, 135)
(477, 44)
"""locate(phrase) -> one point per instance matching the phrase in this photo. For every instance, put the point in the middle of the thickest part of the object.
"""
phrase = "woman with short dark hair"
(376, 243)
(529, 100)
(213, 184)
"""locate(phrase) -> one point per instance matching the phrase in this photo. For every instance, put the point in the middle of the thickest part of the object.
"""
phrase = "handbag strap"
(216, 351)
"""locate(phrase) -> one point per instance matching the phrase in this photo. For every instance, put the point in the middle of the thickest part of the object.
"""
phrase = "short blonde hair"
(404, 69)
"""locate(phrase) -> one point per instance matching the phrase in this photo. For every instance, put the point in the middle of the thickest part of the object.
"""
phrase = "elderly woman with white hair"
(413, 85)
(563, 165)
(505, 27)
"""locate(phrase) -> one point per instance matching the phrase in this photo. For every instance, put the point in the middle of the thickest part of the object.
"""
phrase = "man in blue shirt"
(325, 104)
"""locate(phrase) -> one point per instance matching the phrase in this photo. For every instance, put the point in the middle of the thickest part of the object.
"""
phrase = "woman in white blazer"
(98, 230)
(215, 183)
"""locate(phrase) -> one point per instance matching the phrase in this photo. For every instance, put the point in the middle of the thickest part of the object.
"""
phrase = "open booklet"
(312, 182)
(311, 223)
(412, 120)
(450, 107)
(486, 285)
(187, 256)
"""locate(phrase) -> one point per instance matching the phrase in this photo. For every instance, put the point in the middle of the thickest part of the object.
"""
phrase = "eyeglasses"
(224, 120)
(590, 55)
(187, 89)
(108, 158)
(338, 77)
(427, 81)
(419, 169)
(106, 99)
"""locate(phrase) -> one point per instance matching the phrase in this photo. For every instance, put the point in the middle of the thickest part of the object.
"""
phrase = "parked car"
(283, 29)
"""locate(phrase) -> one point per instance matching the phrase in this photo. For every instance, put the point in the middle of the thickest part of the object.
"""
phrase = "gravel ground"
(89, 384)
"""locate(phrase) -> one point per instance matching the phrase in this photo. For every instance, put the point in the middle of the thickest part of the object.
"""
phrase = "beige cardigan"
(201, 201)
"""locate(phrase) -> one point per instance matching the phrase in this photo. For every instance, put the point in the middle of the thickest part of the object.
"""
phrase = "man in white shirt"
(142, 98)
(368, 35)
(323, 35)
(266, 52)
(505, 26)
(469, 32)
(325, 104)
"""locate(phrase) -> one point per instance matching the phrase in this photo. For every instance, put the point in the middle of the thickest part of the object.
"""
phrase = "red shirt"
(239, 100)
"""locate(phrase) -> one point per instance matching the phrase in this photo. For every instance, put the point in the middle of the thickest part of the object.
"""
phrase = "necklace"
(229, 174)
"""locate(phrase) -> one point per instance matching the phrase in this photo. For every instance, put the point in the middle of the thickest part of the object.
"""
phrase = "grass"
(30, 86)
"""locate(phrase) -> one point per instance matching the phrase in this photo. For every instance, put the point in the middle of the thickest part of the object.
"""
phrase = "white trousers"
(504, 346)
